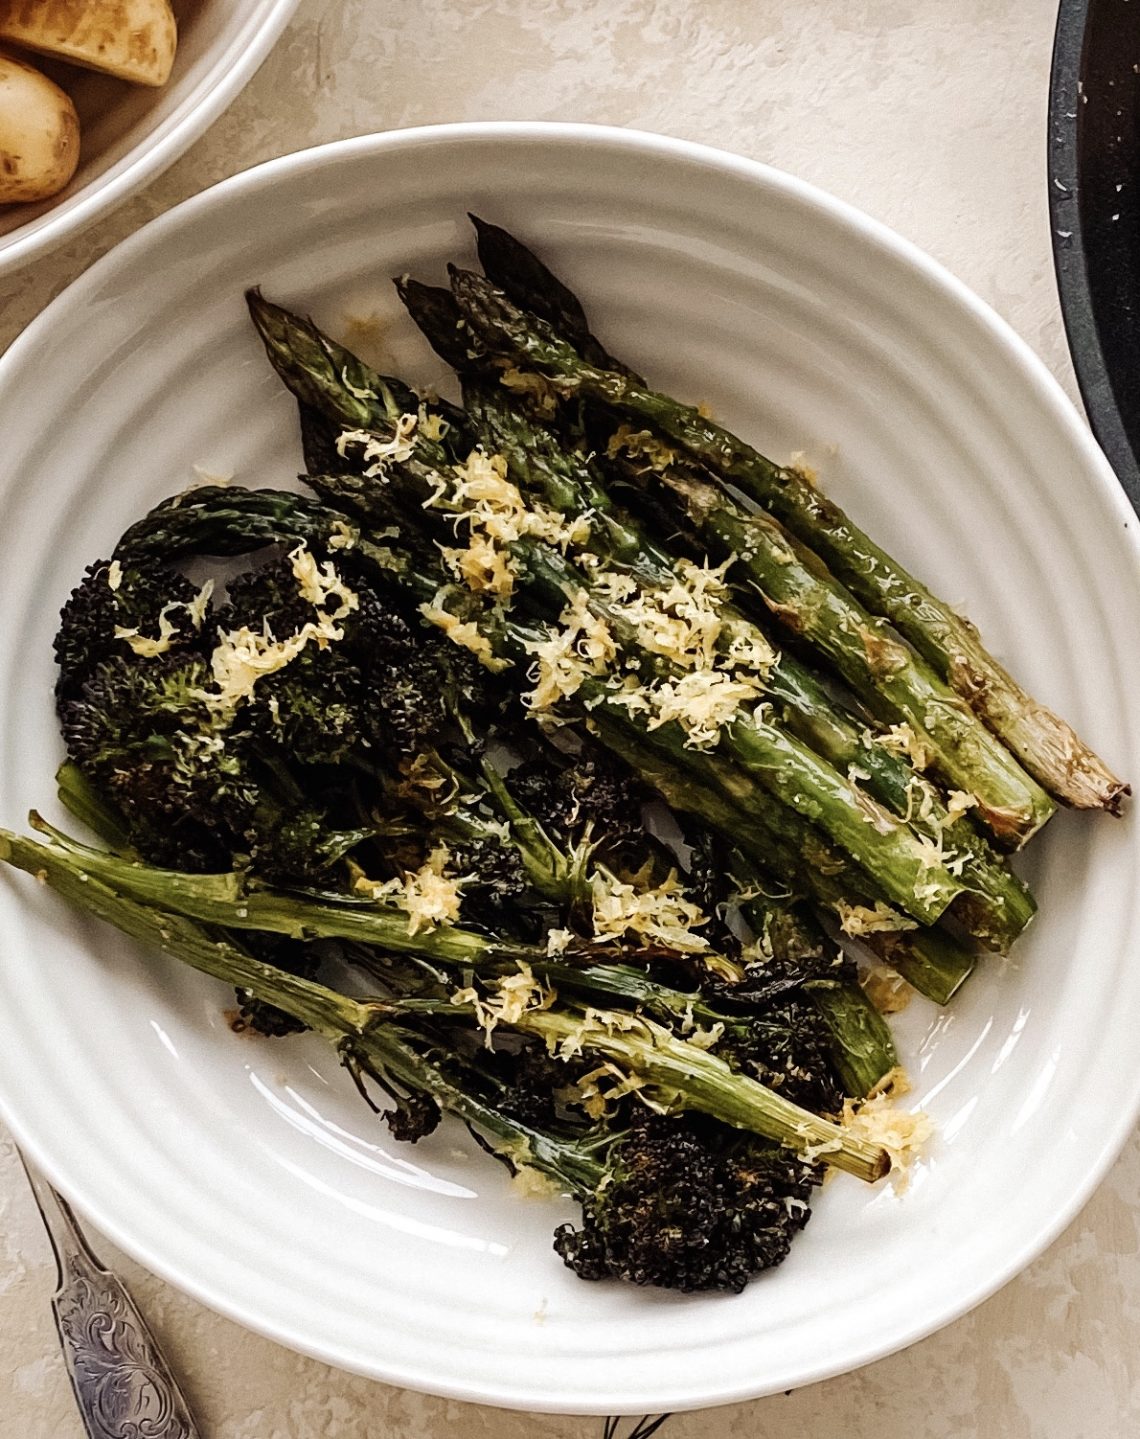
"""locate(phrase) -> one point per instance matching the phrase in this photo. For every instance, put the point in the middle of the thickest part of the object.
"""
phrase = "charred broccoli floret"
(421, 686)
(140, 731)
(496, 881)
(156, 605)
(291, 955)
(412, 1117)
(390, 683)
(528, 1081)
(687, 1206)
(310, 712)
(290, 845)
(591, 798)
(188, 785)
(590, 790)
(789, 1048)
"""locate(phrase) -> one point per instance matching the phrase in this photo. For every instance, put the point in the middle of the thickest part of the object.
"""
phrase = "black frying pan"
(1094, 201)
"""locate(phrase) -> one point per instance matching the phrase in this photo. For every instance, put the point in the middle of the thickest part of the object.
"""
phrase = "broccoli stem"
(861, 1044)
(700, 1080)
(361, 1029)
(227, 899)
(79, 798)
(559, 874)
(218, 520)
(862, 1048)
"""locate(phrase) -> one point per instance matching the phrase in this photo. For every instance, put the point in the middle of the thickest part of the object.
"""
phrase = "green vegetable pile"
(573, 736)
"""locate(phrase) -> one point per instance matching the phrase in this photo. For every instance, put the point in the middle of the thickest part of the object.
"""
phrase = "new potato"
(133, 39)
(39, 134)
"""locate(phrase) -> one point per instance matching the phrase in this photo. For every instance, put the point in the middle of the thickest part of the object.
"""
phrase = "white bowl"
(248, 1172)
(131, 133)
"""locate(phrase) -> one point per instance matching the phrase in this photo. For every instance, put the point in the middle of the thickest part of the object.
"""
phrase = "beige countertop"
(932, 118)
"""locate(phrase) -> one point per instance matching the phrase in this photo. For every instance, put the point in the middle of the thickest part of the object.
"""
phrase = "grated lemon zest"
(243, 656)
(510, 998)
(902, 1133)
(859, 919)
(663, 915)
(466, 634)
(900, 739)
(887, 991)
(432, 426)
(702, 702)
(318, 583)
(537, 388)
(428, 896)
(581, 647)
(641, 445)
(147, 645)
(378, 454)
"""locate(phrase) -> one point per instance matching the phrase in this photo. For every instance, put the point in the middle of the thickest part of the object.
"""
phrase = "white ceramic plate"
(248, 1172)
(131, 133)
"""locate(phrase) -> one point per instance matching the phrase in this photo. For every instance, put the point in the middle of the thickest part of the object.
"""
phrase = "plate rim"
(1097, 471)
(228, 76)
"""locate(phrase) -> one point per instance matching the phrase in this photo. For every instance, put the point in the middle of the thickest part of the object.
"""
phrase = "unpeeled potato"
(39, 134)
(133, 39)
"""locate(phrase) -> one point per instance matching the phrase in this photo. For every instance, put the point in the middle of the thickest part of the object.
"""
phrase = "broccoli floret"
(784, 970)
(687, 1206)
(528, 1078)
(140, 731)
(311, 710)
(591, 795)
(419, 684)
(390, 684)
(789, 1048)
(295, 845)
(414, 1117)
(202, 786)
(292, 955)
(710, 886)
(586, 790)
(497, 882)
(268, 596)
(110, 598)
(189, 787)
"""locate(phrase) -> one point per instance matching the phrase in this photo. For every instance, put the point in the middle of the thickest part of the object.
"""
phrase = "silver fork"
(122, 1382)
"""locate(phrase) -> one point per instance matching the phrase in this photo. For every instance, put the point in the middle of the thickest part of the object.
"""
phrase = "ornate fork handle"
(122, 1382)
